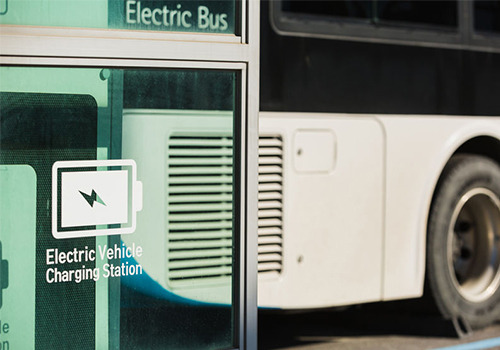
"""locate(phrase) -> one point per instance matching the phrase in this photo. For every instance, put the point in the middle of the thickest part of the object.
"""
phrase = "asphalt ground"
(384, 326)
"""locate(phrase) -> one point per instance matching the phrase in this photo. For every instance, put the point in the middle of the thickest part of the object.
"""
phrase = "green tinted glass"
(116, 208)
(211, 16)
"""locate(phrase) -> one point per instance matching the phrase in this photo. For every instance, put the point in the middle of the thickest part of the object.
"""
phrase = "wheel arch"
(418, 148)
(485, 145)
(482, 145)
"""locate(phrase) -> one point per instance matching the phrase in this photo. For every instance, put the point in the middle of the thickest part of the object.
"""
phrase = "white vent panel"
(270, 252)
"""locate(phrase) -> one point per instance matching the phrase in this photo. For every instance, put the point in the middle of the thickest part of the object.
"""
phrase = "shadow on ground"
(410, 318)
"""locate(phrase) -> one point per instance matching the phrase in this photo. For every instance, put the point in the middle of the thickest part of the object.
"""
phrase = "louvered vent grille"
(270, 205)
(199, 209)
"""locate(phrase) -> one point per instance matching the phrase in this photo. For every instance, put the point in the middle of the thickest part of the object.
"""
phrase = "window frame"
(238, 284)
(337, 28)
(239, 36)
(479, 38)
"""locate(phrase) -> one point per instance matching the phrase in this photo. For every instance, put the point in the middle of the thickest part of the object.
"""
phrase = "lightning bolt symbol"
(92, 198)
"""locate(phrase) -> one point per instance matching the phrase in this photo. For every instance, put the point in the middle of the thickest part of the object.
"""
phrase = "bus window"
(344, 9)
(435, 13)
(487, 16)
(381, 12)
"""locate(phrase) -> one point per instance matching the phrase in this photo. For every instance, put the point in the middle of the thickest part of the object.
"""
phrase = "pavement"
(384, 326)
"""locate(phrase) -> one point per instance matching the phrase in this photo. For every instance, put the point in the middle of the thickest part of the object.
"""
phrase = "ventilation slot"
(199, 209)
(270, 205)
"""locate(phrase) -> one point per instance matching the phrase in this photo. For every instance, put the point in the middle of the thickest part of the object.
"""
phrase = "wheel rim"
(474, 245)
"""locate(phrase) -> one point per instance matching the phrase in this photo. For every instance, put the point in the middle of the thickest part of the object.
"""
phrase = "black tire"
(463, 246)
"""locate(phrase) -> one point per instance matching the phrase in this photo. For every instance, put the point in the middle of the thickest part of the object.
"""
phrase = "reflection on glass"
(169, 284)
(184, 157)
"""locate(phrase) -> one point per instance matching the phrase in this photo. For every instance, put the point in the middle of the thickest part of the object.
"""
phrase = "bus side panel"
(332, 210)
(418, 148)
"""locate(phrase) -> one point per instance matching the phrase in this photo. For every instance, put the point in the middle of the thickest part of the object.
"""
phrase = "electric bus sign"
(95, 198)
(180, 16)
(200, 16)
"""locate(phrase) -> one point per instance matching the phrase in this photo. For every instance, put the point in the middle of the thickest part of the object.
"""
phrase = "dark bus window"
(351, 9)
(435, 13)
(487, 16)
(438, 13)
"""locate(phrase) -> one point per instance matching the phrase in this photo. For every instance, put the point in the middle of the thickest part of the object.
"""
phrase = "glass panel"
(217, 16)
(487, 16)
(438, 13)
(441, 13)
(116, 208)
(343, 8)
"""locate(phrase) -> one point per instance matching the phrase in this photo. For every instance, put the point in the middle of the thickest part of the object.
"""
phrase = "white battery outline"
(135, 203)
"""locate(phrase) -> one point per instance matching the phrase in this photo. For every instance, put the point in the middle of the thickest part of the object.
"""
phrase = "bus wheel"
(463, 247)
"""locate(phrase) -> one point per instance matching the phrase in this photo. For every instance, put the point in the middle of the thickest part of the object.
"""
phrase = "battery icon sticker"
(95, 198)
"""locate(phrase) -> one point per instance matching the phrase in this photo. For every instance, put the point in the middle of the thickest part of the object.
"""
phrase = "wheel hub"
(474, 245)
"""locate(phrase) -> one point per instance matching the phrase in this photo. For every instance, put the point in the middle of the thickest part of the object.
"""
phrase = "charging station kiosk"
(128, 174)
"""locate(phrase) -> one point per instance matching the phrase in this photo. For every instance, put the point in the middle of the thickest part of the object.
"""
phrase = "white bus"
(379, 168)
